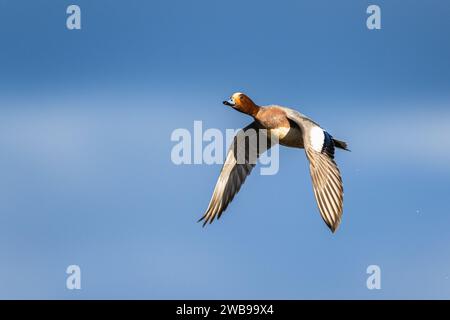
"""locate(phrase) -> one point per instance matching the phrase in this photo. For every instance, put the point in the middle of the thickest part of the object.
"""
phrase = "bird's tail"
(340, 144)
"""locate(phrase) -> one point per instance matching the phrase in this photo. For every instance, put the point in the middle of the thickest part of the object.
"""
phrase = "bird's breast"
(275, 120)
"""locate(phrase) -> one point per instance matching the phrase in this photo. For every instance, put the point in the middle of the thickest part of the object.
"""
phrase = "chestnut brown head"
(242, 103)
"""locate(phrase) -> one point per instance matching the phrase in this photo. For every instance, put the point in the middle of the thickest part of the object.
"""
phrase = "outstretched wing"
(326, 178)
(242, 155)
(327, 185)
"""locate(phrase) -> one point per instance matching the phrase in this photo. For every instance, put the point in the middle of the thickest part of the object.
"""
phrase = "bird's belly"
(290, 137)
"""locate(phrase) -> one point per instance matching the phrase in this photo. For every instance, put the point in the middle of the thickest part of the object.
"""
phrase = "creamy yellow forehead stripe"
(236, 95)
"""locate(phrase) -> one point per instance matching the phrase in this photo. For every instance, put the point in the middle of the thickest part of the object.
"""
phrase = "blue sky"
(85, 124)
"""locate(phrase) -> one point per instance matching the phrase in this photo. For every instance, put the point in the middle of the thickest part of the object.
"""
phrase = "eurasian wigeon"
(292, 129)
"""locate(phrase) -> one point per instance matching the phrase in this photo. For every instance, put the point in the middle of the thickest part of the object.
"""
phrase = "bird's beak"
(229, 103)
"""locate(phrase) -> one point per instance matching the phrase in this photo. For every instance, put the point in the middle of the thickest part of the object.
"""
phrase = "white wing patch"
(317, 138)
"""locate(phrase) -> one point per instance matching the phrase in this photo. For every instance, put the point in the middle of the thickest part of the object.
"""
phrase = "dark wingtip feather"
(334, 227)
(201, 219)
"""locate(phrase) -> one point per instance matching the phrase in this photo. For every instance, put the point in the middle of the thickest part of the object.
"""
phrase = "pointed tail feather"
(340, 144)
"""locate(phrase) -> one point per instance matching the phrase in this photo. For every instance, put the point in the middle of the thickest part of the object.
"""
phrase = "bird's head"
(242, 103)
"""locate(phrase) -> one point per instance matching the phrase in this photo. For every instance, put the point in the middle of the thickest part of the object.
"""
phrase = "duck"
(288, 128)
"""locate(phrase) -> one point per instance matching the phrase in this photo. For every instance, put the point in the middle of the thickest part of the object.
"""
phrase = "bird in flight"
(276, 124)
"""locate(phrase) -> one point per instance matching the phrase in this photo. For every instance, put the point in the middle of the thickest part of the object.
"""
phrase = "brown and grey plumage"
(291, 129)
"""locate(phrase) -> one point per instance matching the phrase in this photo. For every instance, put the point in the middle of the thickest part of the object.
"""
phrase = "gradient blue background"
(86, 175)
